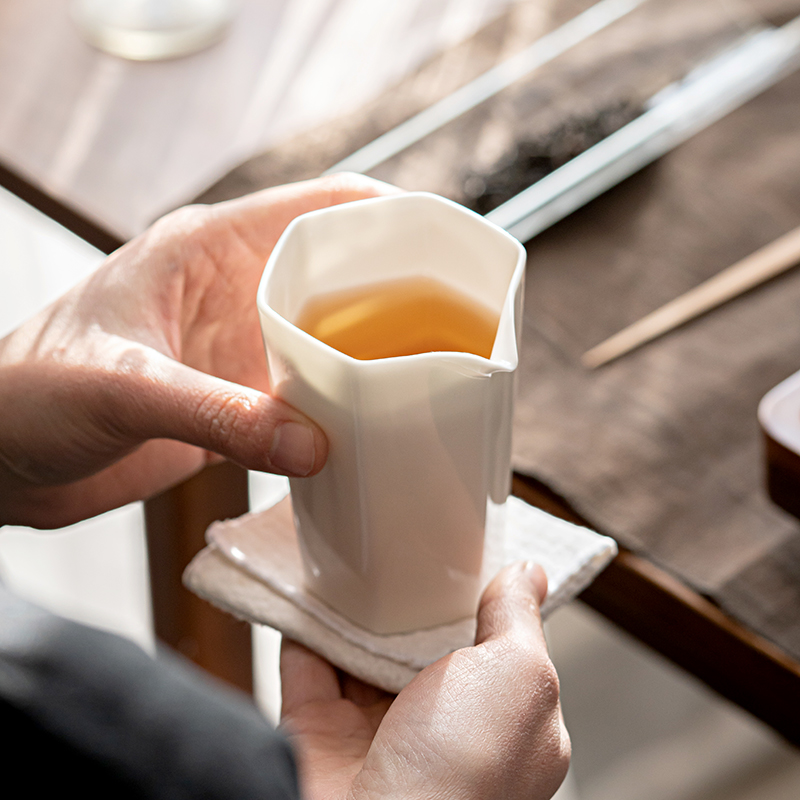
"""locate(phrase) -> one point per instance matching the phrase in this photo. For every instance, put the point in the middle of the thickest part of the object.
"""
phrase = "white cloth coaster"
(252, 568)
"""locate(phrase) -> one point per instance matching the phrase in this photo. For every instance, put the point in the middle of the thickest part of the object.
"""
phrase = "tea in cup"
(394, 323)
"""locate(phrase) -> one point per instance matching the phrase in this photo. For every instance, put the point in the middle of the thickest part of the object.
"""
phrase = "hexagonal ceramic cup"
(392, 529)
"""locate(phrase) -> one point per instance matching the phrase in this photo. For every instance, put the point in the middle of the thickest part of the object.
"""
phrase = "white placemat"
(252, 568)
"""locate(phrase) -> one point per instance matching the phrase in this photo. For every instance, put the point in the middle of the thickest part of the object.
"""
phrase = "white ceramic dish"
(779, 413)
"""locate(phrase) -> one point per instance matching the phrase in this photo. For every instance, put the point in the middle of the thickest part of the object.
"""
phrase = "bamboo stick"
(766, 263)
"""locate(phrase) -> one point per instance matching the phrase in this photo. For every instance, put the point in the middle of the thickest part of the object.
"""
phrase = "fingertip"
(320, 450)
(298, 449)
(274, 437)
(537, 578)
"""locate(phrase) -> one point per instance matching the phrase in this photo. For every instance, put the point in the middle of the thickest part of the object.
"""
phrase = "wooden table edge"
(80, 224)
(631, 592)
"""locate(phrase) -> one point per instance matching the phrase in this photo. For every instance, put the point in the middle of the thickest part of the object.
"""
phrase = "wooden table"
(104, 146)
(122, 142)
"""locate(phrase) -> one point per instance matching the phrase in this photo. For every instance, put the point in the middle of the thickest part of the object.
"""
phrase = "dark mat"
(660, 449)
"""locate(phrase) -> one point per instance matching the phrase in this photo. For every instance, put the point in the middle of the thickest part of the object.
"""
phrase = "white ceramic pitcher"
(392, 529)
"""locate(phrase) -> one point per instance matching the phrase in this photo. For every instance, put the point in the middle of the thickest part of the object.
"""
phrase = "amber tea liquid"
(403, 317)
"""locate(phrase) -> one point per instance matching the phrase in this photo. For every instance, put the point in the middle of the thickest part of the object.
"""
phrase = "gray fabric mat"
(661, 449)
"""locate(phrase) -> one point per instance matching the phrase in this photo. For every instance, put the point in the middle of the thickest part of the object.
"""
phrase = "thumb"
(248, 427)
(510, 604)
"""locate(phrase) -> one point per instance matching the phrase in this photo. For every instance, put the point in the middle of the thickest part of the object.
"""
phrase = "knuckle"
(182, 228)
(184, 220)
(221, 416)
(537, 671)
(549, 684)
(532, 668)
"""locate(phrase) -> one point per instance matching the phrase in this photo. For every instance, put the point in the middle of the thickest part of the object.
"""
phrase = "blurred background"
(641, 727)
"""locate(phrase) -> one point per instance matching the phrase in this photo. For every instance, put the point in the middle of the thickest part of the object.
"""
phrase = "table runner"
(661, 449)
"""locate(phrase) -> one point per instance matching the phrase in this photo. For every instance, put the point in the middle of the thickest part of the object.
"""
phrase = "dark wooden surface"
(176, 523)
(125, 141)
(90, 230)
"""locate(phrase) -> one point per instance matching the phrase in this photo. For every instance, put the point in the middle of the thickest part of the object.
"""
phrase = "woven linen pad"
(252, 569)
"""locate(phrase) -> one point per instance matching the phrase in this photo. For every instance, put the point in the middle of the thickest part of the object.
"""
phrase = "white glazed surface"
(392, 528)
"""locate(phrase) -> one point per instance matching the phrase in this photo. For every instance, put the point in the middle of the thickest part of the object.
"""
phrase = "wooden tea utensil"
(766, 263)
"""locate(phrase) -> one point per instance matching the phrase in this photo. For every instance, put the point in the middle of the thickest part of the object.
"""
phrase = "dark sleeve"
(83, 708)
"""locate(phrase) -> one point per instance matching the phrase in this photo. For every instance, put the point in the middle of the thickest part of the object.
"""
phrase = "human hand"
(483, 722)
(133, 380)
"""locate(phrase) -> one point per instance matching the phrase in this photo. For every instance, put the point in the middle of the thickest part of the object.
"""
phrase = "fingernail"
(538, 579)
(293, 450)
